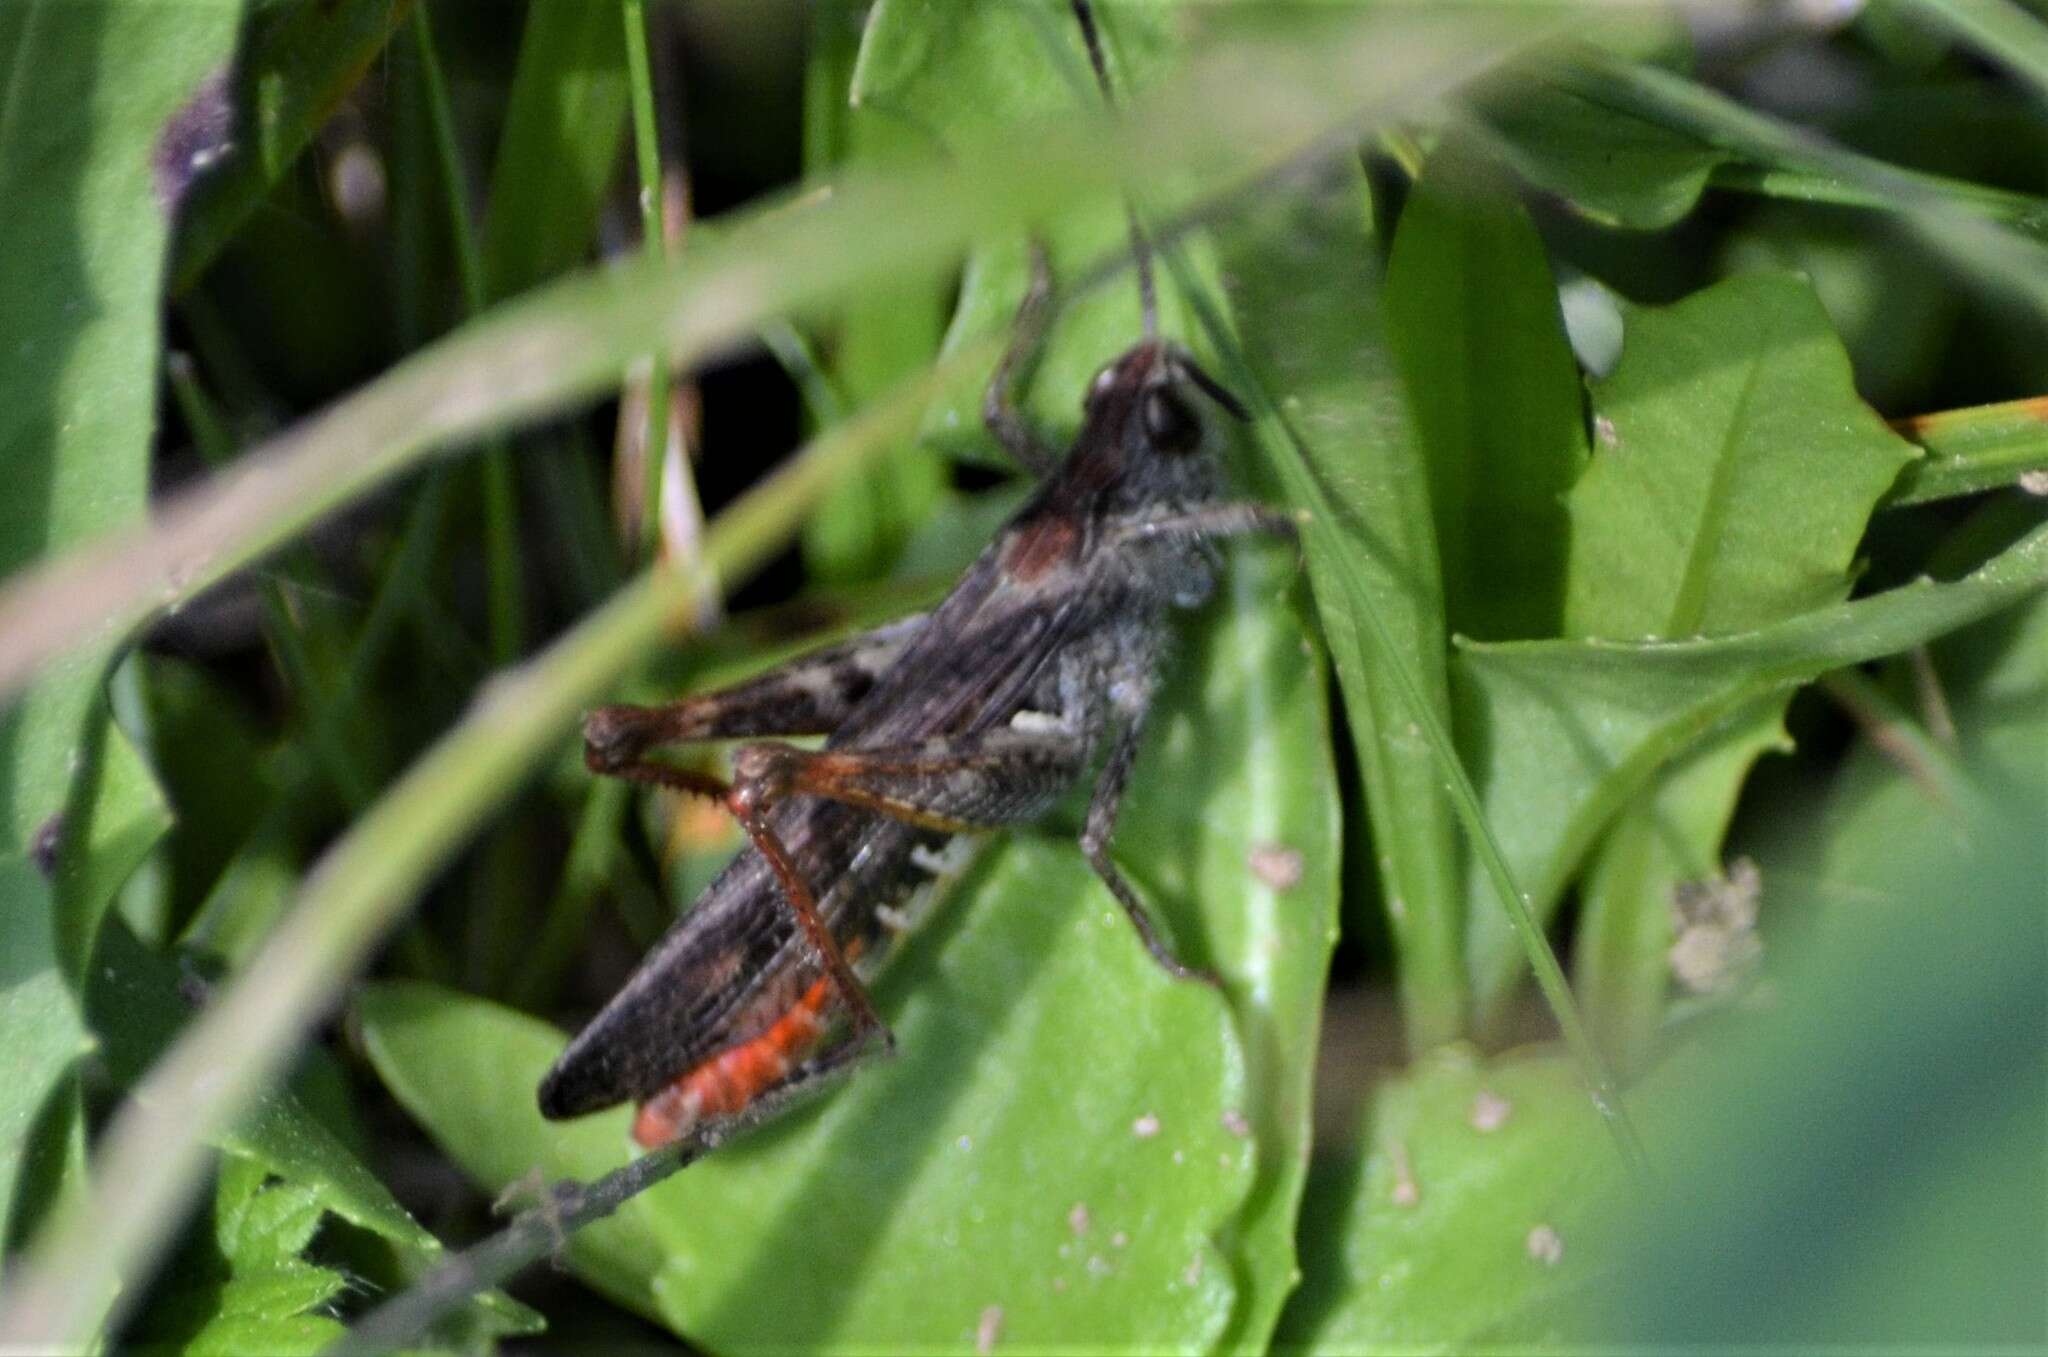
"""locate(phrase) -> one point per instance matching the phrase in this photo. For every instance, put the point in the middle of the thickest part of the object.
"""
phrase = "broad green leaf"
(106, 111)
(1334, 426)
(1733, 473)
(1474, 324)
(1564, 733)
(108, 106)
(565, 118)
(40, 1024)
(1044, 1064)
(1456, 1222)
(299, 60)
(1737, 471)
(1272, 823)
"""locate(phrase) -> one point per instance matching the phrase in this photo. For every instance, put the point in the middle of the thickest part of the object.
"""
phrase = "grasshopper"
(1037, 669)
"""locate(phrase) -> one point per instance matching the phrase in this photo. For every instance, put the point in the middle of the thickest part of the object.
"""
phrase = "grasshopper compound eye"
(1170, 425)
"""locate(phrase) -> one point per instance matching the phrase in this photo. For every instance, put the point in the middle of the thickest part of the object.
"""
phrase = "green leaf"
(565, 118)
(116, 816)
(1621, 957)
(1473, 322)
(1562, 734)
(136, 1005)
(300, 60)
(883, 336)
(1456, 1222)
(106, 107)
(246, 1288)
(41, 1027)
(1044, 1063)
(1611, 163)
(1336, 434)
(1251, 686)
(1736, 473)
(1857, 853)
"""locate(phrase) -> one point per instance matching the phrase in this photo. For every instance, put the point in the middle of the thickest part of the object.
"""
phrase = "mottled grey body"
(1039, 666)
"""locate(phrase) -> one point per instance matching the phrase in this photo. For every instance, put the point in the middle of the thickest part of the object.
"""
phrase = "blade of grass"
(501, 501)
(654, 240)
(2023, 213)
(1972, 450)
(565, 117)
(1235, 111)
(1996, 237)
(153, 1152)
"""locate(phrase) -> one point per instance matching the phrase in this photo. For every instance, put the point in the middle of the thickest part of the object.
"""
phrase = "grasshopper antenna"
(1141, 248)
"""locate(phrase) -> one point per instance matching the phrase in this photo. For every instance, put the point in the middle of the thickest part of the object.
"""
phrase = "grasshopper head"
(1144, 403)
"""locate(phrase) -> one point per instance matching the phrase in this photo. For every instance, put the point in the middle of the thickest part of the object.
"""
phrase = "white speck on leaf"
(1405, 1192)
(1546, 1246)
(1275, 865)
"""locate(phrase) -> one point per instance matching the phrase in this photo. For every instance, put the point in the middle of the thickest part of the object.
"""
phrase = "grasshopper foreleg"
(1229, 519)
(999, 406)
